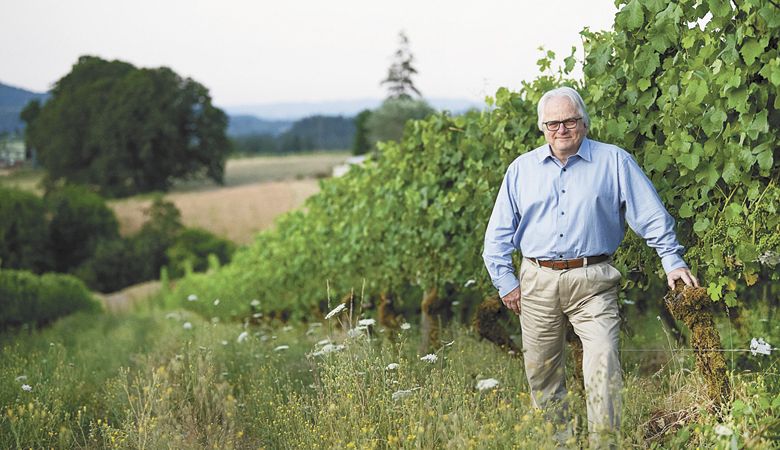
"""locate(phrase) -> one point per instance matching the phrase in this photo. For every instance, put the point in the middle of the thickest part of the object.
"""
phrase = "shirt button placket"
(562, 205)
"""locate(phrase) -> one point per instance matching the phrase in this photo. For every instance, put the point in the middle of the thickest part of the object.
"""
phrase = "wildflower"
(722, 430)
(487, 383)
(759, 346)
(224, 342)
(456, 303)
(26, 387)
(187, 326)
(328, 348)
(192, 298)
(216, 301)
(397, 395)
(366, 322)
(242, 337)
(430, 357)
(257, 315)
(281, 347)
(21, 378)
(391, 366)
(324, 342)
(470, 283)
(255, 303)
(356, 332)
(287, 328)
(405, 326)
(341, 307)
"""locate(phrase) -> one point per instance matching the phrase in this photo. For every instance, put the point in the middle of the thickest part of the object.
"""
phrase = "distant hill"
(12, 101)
(244, 125)
(310, 133)
(299, 110)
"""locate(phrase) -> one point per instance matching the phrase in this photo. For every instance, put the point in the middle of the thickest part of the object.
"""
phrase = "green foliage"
(26, 298)
(127, 130)
(23, 231)
(192, 249)
(79, 220)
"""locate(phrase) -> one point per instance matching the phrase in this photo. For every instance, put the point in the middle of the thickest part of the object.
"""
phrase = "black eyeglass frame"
(557, 124)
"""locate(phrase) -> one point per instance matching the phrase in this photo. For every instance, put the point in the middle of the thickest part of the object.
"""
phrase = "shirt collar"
(583, 152)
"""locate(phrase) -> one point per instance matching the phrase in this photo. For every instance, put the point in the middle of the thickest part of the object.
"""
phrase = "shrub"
(23, 231)
(193, 247)
(80, 219)
(26, 298)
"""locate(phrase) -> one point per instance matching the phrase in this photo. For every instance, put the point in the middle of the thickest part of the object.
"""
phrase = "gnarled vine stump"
(692, 307)
(487, 323)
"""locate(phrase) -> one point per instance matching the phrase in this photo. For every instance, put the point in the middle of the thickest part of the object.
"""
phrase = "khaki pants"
(588, 297)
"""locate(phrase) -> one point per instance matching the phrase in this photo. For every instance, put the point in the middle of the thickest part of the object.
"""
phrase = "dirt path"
(124, 300)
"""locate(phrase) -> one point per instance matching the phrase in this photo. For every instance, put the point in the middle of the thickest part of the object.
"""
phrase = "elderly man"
(564, 206)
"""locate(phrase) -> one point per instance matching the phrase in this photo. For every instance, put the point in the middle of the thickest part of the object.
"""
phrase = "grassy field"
(166, 378)
(256, 191)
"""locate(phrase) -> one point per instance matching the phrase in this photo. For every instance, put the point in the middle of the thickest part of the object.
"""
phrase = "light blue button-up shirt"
(548, 210)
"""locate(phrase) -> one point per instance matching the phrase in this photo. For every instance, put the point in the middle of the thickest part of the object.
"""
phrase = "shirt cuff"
(671, 262)
(506, 284)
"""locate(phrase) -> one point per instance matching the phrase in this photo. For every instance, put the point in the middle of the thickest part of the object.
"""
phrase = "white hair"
(569, 93)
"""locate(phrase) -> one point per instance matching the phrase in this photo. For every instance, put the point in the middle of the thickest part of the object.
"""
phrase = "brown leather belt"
(561, 264)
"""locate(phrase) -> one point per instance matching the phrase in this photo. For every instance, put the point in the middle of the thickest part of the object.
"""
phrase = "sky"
(256, 52)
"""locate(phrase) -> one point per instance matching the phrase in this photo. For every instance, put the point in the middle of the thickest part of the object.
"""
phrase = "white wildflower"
(366, 322)
(324, 342)
(397, 395)
(187, 326)
(405, 326)
(722, 430)
(21, 378)
(192, 298)
(759, 346)
(281, 347)
(487, 383)
(328, 348)
(257, 315)
(242, 337)
(391, 366)
(26, 387)
(470, 283)
(430, 357)
(341, 307)
(287, 328)
(216, 301)
(255, 303)
(769, 258)
(456, 303)
(224, 342)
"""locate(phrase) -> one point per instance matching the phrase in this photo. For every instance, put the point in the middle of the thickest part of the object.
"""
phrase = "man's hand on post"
(512, 300)
(684, 274)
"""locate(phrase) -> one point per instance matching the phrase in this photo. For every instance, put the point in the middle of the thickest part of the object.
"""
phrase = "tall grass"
(162, 379)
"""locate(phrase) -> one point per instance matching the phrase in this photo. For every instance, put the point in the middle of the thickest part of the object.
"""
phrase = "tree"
(23, 231)
(127, 130)
(388, 121)
(79, 220)
(399, 75)
(361, 143)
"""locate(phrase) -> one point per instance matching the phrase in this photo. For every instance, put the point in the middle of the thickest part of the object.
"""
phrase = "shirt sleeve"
(647, 216)
(499, 236)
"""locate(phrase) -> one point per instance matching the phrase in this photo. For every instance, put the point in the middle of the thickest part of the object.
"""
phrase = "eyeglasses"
(569, 124)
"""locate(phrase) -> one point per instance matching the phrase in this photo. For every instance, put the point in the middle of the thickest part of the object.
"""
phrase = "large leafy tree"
(127, 130)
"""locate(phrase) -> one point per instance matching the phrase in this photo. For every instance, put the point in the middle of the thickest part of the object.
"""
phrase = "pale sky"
(250, 52)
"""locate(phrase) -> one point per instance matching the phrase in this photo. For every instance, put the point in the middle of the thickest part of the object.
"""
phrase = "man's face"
(563, 141)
